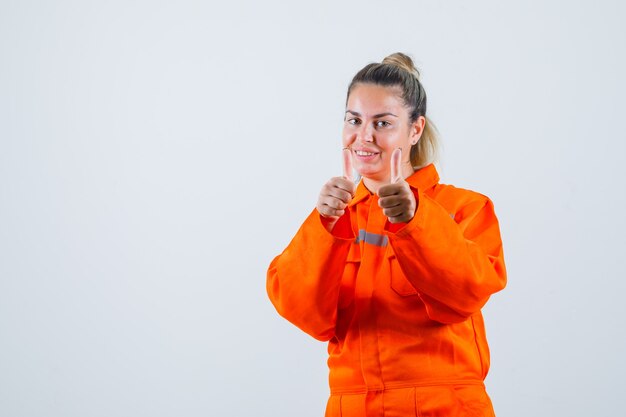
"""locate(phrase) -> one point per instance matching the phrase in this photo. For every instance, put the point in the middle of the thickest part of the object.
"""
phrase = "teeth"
(363, 153)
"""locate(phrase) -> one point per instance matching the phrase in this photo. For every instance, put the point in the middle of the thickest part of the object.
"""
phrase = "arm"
(303, 282)
(454, 266)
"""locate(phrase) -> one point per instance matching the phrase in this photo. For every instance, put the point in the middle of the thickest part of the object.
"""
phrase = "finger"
(328, 211)
(347, 163)
(399, 219)
(346, 184)
(394, 211)
(333, 203)
(339, 194)
(340, 183)
(396, 168)
(391, 201)
(390, 189)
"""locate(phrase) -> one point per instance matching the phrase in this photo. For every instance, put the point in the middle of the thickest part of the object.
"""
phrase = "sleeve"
(304, 281)
(455, 267)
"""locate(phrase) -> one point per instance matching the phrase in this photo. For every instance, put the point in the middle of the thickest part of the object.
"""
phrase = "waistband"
(402, 384)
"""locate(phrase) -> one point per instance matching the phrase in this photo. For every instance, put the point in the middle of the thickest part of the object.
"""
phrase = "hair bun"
(403, 61)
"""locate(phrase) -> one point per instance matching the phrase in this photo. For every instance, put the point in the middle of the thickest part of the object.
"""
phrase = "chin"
(368, 171)
(370, 175)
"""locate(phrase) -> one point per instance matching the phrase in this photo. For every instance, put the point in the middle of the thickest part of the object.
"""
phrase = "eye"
(353, 121)
(382, 123)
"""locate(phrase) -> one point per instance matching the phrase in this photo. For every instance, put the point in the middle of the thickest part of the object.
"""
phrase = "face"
(376, 123)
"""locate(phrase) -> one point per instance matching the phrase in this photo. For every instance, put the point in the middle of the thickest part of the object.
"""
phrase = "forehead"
(370, 99)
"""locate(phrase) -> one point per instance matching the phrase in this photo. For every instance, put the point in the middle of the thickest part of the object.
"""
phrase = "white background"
(155, 156)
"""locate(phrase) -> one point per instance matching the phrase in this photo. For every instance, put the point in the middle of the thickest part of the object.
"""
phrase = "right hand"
(337, 193)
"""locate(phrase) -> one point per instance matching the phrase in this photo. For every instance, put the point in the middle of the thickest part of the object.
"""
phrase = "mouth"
(359, 152)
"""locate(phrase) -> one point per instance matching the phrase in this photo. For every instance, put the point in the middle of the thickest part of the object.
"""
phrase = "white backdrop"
(155, 156)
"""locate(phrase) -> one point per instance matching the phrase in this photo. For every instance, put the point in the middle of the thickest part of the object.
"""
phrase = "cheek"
(396, 140)
(347, 138)
(385, 141)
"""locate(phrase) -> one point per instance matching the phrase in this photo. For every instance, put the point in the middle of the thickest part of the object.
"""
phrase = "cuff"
(343, 227)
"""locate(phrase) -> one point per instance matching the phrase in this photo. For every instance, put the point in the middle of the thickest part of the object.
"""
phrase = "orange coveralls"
(399, 304)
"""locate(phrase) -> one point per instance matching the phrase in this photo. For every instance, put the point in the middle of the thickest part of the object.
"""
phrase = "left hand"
(396, 199)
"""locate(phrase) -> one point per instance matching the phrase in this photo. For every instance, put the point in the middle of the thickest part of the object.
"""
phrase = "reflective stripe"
(371, 238)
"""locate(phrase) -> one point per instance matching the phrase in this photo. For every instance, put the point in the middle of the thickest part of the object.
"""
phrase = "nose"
(366, 133)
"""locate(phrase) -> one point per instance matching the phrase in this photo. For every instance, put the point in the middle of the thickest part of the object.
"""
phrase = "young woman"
(393, 272)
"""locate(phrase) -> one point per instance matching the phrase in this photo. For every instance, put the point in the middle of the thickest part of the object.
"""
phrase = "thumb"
(347, 164)
(396, 165)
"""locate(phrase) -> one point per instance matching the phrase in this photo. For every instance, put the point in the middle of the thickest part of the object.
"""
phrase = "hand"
(337, 193)
(397, 199)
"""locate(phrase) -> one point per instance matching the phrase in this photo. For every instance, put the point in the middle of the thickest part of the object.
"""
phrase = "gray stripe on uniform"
(371, 238)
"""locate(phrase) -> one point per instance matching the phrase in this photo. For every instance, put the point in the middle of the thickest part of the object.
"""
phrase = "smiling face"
(376, 123)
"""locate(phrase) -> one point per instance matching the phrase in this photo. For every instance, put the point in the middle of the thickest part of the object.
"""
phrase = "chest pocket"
(399, 283)
(348, 280)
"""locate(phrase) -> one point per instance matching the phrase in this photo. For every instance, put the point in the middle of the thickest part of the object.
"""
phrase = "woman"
(393, 272)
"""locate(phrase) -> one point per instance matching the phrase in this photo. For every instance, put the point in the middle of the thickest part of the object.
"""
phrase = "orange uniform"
(399, 304)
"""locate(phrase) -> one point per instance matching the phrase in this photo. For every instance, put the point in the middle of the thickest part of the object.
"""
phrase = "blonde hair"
(398, 70)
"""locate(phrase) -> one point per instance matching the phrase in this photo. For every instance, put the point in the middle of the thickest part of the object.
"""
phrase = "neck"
(373, 184)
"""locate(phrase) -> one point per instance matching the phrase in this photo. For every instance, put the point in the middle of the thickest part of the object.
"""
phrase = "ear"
(417, 128)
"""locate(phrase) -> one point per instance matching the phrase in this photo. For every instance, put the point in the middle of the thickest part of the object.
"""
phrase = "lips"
(364, 152)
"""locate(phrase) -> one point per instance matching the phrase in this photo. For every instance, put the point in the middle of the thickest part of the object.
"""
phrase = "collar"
(422, 179)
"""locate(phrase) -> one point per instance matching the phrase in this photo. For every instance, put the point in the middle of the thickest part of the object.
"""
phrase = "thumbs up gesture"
(337, 193)
(396, 199)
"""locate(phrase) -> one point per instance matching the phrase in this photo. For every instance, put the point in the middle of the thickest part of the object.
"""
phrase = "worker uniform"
(399, 304)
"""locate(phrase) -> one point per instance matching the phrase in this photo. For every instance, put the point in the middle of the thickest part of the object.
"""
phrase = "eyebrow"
(376, 116)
